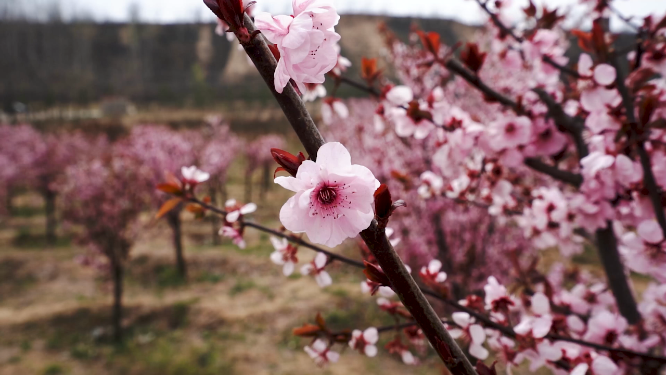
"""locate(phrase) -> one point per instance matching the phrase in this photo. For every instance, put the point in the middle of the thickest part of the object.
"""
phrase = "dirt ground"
(233, 315)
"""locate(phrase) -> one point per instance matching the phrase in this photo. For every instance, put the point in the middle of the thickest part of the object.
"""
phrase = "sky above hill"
(466, 11)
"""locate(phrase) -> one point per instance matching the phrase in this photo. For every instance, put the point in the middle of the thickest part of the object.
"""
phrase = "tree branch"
(375, 237)
(570, 178)
(508, 31)
(489, 323)
(458, 68)
(648, 176)
(370, 90)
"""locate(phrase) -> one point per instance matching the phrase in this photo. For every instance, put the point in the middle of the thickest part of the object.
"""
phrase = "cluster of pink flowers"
(306, 42)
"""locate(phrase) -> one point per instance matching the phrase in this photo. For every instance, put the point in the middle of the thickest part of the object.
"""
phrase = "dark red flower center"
(326, 195)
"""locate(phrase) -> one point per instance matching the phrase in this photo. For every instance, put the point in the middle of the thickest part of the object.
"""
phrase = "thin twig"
(489, 323)
(574, 179)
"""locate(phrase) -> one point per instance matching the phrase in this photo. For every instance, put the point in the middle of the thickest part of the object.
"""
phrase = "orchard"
(467, 178)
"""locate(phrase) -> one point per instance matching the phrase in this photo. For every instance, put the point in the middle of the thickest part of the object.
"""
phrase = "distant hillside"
(182, 63)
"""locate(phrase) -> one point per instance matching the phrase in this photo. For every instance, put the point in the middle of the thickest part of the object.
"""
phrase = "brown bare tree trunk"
(117, 275)
(175, 223)
(49, 203)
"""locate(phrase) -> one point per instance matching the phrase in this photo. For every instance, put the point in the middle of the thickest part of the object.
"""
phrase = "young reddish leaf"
(167, 206)
(472, 57)
(320, 321)
(375, 274)
(369, 70)
(287, 161)
(307, 330)
(430, 41)
(383, 201)
(170, 188)
(531, 10)
(483, 369)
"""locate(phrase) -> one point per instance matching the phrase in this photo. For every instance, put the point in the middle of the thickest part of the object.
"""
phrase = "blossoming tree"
(100, 200)
(569, 152)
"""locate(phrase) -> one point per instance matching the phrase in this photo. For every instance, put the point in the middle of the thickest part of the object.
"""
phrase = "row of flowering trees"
(500, 148)
(104, 186)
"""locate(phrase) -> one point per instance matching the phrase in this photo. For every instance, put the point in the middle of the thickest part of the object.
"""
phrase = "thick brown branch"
(375, 238)
(570, 178)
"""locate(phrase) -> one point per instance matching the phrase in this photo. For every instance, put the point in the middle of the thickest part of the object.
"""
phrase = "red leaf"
(472, 57)
(167, 206)
(170, 188)
(307, 330)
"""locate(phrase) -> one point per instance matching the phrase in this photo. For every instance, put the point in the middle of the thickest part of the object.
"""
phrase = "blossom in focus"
(321, 353)
(235, 211)
(284, 255)
(316, 268)
(365, 341)
(193, 176)
(306, 42)
(333, 200)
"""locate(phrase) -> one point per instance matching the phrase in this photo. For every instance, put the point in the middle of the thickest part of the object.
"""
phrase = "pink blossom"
(605, 328)
(334, 199)
(473, 332)
(539, 324)
(431, 185)
(313, 91)
(432, 272)
(599, 99)
(321, 353)
(234, 234)
(604, 74)
(193, 176)
(316, 268)
(509, 133)
(333, 107)
(284, 255)
(365, 341)
(236, 211)
(306, 42)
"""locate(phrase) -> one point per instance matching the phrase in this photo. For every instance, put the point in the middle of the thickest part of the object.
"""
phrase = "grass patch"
(25, 239)
(242, 285)
(54, 369)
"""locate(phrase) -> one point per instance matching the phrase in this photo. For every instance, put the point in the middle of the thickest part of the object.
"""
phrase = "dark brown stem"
(413, 298)
(617, 278)
(648, 176)
(375, 238)
(370, 90)
(173, 218)
(458, 68)
(572, 125)
(570, 178)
